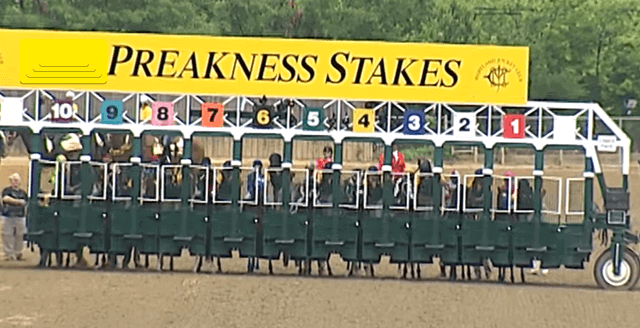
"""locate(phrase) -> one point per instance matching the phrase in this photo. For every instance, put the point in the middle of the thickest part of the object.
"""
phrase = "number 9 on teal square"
(111, 112)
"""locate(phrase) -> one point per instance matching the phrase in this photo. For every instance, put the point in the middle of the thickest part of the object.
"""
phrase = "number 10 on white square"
(464, 125)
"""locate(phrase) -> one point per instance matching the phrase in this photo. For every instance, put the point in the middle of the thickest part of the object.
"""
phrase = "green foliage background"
(581, 50)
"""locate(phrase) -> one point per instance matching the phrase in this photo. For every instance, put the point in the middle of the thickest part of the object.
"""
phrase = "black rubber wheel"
(629, 271)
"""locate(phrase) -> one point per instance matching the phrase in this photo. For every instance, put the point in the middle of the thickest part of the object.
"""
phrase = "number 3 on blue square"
(111, 112)
(413, 122)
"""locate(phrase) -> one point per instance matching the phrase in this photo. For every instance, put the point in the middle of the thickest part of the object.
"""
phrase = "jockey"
(397, 162)
(255, 180)
(224, 183)
(145, 108)
(506, 196)
(69, 96)
(327, 154)
(374, 187)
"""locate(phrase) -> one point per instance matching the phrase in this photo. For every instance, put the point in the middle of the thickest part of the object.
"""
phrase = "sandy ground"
(31, 297)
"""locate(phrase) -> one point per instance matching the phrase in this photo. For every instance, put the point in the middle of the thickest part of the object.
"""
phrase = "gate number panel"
(162, 113)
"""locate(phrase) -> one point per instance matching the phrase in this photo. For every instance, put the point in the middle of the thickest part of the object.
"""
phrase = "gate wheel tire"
(629, 271)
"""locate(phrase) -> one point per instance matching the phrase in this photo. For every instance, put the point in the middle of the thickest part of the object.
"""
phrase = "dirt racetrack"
(31, 297)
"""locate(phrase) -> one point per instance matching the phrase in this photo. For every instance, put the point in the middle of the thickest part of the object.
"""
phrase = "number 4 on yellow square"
(363, 120)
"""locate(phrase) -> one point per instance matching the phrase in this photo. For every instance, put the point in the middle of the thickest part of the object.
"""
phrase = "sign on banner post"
(11, 110)
(290, 68)
(564, 128)
(413, 122)
(513, 126)
(62, 111)
(363, 120)
(212, 115)
(464, 125)
(262, 117)
(162, 113)
(313, 119)
(607, 144)
(111, 112)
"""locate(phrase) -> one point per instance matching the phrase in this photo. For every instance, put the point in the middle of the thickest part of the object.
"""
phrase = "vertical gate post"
(85, 181)
(33, 209)
(185, 191)
(438, 159)
(387, 191)
(136, 180)
(487, 198)
(235, 186)
(286, 178)
(335, 188)
(537, 195)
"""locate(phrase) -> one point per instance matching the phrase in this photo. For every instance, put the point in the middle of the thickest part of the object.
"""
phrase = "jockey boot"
(536, 268)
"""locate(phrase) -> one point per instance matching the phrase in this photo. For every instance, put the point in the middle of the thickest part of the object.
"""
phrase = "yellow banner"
(358, 70)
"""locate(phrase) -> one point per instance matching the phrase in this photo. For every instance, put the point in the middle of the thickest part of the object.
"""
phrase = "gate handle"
(333, 243)
(233, 240)
(485, 248)
(132, 236)
(539, 249)
(285, 241)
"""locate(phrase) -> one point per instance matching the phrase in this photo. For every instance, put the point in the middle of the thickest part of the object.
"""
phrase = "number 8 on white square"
(464, 125)
(162, 113)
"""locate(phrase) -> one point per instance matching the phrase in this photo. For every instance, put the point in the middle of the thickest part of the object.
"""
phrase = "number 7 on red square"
(212, 115)
(513, 126)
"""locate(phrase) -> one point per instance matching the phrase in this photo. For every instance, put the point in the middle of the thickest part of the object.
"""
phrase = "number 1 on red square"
(212, 115)
(513, 126)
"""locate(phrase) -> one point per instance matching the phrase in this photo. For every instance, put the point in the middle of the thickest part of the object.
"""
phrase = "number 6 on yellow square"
(363, 120)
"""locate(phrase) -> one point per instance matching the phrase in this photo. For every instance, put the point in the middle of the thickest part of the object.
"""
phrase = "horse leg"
(404, 271)
(320, 267)
(249, 264)
(513, 279)
(219, 265)
(329, 268)
(126, 260)
(96, 263)
(522, 275)
(270, 267)
(256, 262)
(478, 272)
(371, 269)
(413, 271)
(146, 261)
(487, 269)
(443, 271)
(160, 260)
(418, 270)
(196, 268)
(68, 261)
(171, 263)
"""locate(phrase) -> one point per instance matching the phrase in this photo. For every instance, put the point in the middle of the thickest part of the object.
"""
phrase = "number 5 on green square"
(313, 119)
